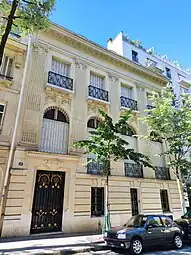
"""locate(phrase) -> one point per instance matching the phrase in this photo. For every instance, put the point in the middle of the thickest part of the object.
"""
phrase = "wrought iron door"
(48, 202)
(134, 202)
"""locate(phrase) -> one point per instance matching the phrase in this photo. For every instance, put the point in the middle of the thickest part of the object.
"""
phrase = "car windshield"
(136, 221)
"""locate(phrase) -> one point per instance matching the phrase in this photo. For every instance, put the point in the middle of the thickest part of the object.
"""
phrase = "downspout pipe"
(12, 148)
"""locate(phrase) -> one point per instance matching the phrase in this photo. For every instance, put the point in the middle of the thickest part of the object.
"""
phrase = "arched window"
(55, 131)
(129, 132)
(154, 137)
(93, 123)
(55, 114)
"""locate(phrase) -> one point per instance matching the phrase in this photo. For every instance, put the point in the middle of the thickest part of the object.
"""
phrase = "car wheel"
(136, 246)
(177, 242)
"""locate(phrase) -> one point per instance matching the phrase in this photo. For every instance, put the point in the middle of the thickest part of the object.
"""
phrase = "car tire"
(177, 242)
(136, 246)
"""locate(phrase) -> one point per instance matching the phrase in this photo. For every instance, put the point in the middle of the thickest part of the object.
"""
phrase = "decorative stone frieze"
(80, 64)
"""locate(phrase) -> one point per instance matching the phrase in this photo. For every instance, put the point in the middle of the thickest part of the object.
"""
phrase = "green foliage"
(30, 16)
(107, 143)
(170, 119)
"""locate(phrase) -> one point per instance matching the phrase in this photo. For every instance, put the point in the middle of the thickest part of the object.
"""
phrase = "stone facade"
(82, 57)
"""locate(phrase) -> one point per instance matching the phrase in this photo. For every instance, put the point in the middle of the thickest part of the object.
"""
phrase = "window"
(2, 112)
(93, 123)
(168, 73)
(183, 90)
(97, 201)
(96, 81)
(55, 114)
(128, 132)
(164, 200)
(126, 92)
(151, 63)
(7, 66)
(167, 222)
(60, 67)
(134, 202)
(135, 56)
(154, 221)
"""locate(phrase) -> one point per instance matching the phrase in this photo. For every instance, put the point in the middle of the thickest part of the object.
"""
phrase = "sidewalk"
(48, 244)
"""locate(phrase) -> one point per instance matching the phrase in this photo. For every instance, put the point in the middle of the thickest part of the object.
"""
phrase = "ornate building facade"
(68, 79)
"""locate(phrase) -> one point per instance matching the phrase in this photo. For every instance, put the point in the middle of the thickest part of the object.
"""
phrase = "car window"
(167, 222)
(188, 214)
(154, 221)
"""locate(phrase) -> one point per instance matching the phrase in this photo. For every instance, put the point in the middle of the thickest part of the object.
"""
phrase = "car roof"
(159, 215)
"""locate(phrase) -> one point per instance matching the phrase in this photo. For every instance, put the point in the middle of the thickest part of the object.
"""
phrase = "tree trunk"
(8, 29)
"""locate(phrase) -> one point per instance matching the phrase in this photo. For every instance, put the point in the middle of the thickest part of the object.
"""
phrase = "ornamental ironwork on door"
(48, 202)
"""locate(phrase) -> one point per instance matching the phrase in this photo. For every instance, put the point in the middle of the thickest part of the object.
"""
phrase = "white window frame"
(60, 62)
(129, 89)
(7, 66)
(98, 85)
(3, 115)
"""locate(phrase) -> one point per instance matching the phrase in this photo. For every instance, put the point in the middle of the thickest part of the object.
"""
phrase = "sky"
(163, 24)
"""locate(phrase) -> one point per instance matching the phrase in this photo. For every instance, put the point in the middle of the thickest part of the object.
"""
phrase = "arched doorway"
(55, 132)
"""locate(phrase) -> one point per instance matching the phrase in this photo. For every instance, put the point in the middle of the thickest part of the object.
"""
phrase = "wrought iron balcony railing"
(98, 93)
(135, 58)
(60, 80)
(133, 170)
(94, 167)
(129, 103)
(162, 173)
(5, 77)
(150, 107)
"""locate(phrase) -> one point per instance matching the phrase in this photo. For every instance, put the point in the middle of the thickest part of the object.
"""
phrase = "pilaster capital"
(80, 64)
(113, 78)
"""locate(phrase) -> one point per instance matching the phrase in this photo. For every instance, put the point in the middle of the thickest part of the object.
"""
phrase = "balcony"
(98, 93)
(135, 59)
(162, 173)
(133, 170)
(129, 103)
(60, 81)
(5, 80)
(94, 167)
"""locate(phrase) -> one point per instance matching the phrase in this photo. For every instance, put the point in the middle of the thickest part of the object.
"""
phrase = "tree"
(26, 16)
(107, 144)
(170, 120)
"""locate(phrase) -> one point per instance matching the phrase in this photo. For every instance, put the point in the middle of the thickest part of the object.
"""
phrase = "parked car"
(185, 223)
(144, 231)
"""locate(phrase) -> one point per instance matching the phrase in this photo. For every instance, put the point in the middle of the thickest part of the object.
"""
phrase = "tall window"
(168, 73)
(164, 200)
(7, 66)
(55, 132)
(126, 92)
(96, 81)
(60, 67)
(97, 201)
(134, 202)
(135, 56)
(2, 113)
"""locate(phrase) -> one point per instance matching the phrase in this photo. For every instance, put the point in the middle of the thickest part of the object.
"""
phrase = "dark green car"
(185, 223)
(144, 231)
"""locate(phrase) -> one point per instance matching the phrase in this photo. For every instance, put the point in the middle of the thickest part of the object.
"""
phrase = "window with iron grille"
(96, 81)
(134, 202)
(164, 200)
(97, 201)
(60, 67)
(2, 113)
(126, 92)
(6, 68)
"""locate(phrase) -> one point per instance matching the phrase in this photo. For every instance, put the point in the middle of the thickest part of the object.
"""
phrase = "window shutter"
(60, 67)
(96, 81)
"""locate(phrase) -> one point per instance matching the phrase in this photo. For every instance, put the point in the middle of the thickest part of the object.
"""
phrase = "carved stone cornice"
(40, 48)
(93, 49)
(80, 64)
(113, 78)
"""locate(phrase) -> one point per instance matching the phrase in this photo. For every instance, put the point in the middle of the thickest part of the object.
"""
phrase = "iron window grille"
(60, 80)
(98, 93)
(97, 201)
(164, 200)
(133, 170)
(129, 103)
(162, 173)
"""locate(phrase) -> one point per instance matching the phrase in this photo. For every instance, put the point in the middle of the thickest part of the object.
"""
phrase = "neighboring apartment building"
(133, 50)
(50, 189)
(11, 72)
